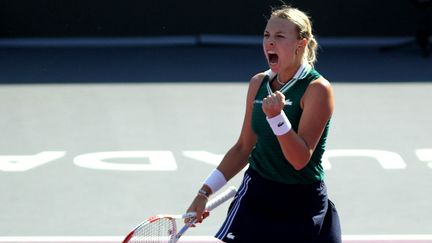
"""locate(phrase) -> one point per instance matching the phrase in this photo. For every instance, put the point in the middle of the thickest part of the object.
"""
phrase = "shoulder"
(318, 90)
(319, 85)
(256, 81)
(254, 85)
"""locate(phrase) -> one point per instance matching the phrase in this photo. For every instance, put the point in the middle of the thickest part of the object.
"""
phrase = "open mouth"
(272, 58)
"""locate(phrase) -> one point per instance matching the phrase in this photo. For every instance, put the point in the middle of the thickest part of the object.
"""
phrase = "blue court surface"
(96, 139)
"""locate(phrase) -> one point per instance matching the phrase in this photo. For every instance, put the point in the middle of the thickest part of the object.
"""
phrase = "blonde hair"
(304, 27)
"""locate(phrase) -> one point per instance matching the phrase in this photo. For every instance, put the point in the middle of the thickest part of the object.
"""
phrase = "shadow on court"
(198, 64)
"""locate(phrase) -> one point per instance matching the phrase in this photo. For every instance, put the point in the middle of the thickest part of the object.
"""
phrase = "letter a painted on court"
(19, 163)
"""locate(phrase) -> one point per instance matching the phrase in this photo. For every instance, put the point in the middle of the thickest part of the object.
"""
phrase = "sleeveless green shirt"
(267, 157)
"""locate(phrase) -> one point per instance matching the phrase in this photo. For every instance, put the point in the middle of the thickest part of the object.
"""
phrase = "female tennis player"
(283, 196)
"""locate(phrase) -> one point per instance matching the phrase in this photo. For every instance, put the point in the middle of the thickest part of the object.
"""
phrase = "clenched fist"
(273, 104)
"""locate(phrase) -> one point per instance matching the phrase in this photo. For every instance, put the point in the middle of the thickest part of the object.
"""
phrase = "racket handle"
(218, 200)
(221, 198)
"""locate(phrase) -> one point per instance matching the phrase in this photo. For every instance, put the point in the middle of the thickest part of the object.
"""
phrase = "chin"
(274, 69)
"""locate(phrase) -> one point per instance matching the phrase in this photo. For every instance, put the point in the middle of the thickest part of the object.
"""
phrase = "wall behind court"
(141, 18)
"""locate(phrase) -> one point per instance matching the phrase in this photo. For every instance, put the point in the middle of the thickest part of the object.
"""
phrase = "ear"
(302, 43)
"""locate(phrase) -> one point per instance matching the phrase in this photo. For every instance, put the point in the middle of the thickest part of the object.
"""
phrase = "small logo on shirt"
(287, 102)
(230, 236)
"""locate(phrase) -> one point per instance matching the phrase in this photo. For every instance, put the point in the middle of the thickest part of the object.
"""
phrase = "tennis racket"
(162, 228)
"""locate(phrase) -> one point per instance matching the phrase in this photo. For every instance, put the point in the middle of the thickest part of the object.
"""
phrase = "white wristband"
(215, 180)
(279, 124)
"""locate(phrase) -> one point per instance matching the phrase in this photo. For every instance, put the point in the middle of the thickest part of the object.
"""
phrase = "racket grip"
(221, 198)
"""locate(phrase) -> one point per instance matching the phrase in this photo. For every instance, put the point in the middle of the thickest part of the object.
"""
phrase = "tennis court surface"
(96, 139)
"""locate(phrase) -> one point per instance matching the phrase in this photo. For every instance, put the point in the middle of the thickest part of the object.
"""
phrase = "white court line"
(426, 238)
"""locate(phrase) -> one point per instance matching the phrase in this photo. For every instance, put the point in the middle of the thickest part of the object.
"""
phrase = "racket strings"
(159, 231)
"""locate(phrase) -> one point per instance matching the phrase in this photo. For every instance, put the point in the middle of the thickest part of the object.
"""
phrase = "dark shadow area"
(198, 64)
(369, 64)
(422, 30)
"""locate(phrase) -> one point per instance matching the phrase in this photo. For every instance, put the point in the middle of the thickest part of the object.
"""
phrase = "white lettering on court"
(204, 156)
(20, 163)
(151, 161)
(425, 155)
(162, 160)
(387, 160)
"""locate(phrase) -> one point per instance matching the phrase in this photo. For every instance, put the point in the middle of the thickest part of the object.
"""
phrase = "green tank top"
(267, 157)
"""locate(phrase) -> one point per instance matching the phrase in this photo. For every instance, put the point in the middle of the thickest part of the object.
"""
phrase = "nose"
(269, 41)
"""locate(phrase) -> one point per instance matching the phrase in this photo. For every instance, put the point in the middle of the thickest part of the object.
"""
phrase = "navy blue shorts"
(267, 211)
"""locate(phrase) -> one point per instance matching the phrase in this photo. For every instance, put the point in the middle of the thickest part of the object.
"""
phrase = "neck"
(288, 73)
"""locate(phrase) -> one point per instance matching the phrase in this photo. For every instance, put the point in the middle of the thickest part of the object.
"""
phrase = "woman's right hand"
(198, 206)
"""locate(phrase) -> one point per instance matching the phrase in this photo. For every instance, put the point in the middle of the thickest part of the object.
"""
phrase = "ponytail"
(311, 51)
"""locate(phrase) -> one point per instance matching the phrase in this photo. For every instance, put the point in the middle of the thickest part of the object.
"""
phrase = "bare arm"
(236, 157)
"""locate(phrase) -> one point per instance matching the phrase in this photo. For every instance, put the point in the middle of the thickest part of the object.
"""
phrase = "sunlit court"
(112, 118)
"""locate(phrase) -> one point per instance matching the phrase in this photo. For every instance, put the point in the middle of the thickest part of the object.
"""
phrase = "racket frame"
(175, 236)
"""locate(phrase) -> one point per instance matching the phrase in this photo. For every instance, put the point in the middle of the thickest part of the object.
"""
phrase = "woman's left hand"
(273, 104)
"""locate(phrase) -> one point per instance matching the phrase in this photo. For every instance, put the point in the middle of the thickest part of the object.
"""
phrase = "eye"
(266, 35)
